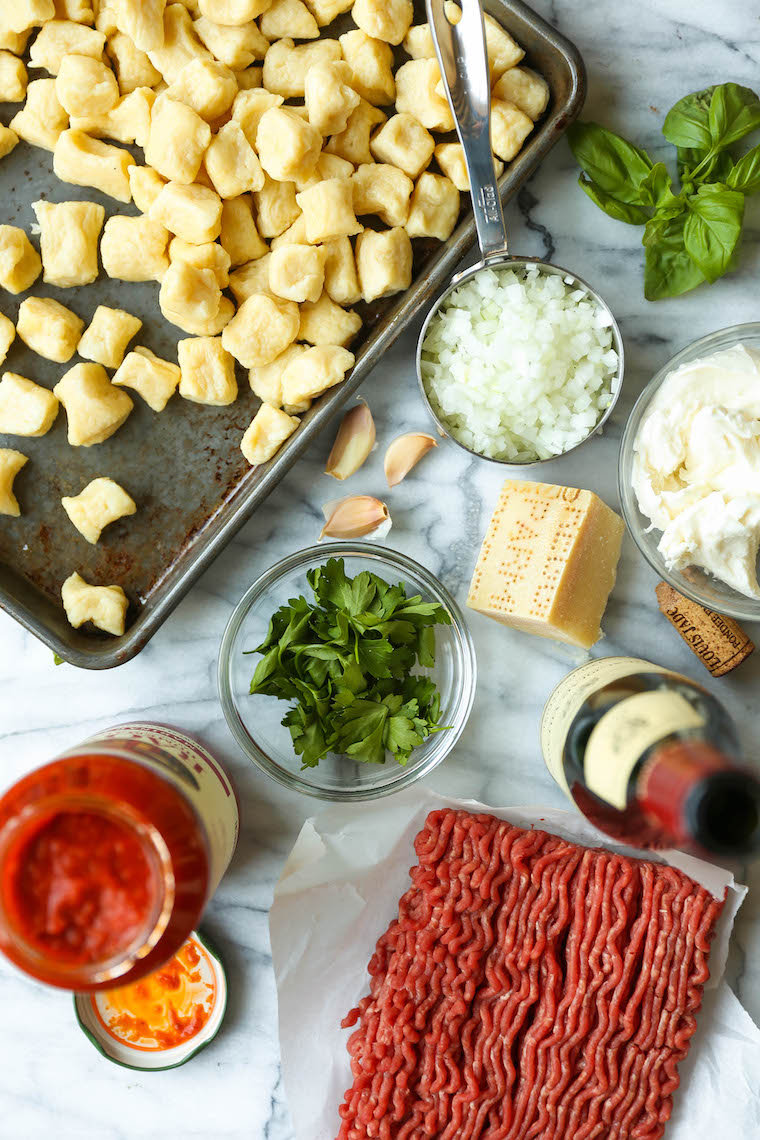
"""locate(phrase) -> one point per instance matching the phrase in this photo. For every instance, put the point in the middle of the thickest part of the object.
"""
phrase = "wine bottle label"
(566, 701)
(192, 770)
(626, 732)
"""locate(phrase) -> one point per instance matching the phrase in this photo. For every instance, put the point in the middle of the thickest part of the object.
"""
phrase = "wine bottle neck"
(695, 792)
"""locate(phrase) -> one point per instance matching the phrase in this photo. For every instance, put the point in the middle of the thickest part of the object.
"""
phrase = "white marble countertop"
(641, 58)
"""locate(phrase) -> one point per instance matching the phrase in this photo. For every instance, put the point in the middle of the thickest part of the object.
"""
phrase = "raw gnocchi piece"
(42, 119)
(325, 11)
(328, 166)
(191, 212)
(383, 190)
(287, 145)
(24, 14)
(13, 78)
(105, 606)
(11, 462)
(294, 235)
(232, 163)
(434, 207)
(249, 78)
(509, 129)
(210, 255)
(181, 44)
(288, 18)
(417, 94)
(59, 38)
(503, 51)
(49, 328)
(207, 371)
(403, 142)
(266, 379)
(251, 278)
(383, 262)
(232, 12)
(237, 47)
(134, 248)
(324, 322)
(329, 96)
(8, 139)
(85, 86)
(248, 108)
(146, 184)
(206, 86)
(276, 207)
(26, 408)
(262, 328)
(450, 158)
(287, 64)
(191, 299)
(84, 161)
(314, 371)
(101, 502)
(328, 210)
(525, 89)
(353, 143)
(149, 375)
(132, 66)
(20, 264)
(109, 332)
(80, 11)
(341, 282)
(177, 142)
(371, 63)
(143, 22)
(297, 272)
(127, 122)
(239, 237)
(69, 233)
(94, 408)
(11, 41)
(7, 335)
(266, 433)
(387, 20)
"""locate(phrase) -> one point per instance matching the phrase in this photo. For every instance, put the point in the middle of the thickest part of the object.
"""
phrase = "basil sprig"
(691, 235)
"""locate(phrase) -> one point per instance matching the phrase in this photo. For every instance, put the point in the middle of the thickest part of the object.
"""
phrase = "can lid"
(160, 1021)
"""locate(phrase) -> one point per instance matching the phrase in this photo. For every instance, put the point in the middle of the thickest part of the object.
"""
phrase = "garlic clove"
(358, 516)
(353, 443)
(405, 453)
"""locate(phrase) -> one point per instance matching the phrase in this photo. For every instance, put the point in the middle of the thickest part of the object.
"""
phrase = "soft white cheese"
(696, 470)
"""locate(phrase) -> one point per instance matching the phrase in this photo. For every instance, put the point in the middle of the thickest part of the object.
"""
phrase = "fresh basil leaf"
(656, 188)
(734, 113)
(687, 125)
(616, 166)
(668, 271)
(621, 211)
(713, 227)
(745, 175)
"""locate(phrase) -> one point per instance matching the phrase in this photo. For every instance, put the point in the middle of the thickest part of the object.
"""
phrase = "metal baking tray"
(184, 467)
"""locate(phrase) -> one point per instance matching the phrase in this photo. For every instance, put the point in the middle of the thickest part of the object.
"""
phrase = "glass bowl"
(693, 582)
(255, 720)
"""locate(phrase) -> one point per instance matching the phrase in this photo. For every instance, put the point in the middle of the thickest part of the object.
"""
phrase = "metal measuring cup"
(463, 59)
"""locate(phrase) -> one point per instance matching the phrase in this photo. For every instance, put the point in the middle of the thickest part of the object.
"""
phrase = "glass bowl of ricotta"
(689, 471)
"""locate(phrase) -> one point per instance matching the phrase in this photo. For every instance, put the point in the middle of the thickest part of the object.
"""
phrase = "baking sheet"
(338, 892)
(183, 466)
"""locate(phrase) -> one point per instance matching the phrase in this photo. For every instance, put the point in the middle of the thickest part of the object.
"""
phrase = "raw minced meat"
(530, 989)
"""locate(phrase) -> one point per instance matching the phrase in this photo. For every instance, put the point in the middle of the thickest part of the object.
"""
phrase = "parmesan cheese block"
(548, 562)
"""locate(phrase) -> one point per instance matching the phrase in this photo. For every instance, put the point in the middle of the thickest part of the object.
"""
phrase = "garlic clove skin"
(405, 453)
(358, 516)
(353, 443)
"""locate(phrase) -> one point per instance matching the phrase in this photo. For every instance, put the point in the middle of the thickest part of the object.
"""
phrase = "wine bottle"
(651, 758)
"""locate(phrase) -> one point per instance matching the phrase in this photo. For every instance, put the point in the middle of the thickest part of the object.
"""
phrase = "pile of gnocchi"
(284, 174)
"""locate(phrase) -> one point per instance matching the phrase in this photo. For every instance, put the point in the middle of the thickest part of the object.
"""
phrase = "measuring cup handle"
(462, 55)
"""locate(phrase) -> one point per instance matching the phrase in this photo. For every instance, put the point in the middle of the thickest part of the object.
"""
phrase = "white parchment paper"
(338, 892)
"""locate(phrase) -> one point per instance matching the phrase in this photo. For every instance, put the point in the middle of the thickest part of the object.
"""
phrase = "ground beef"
(530, 989)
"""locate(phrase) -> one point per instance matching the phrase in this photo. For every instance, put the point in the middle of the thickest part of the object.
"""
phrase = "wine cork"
(718, 641)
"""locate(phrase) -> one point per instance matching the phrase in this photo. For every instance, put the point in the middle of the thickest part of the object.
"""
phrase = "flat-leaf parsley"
(345, 661)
